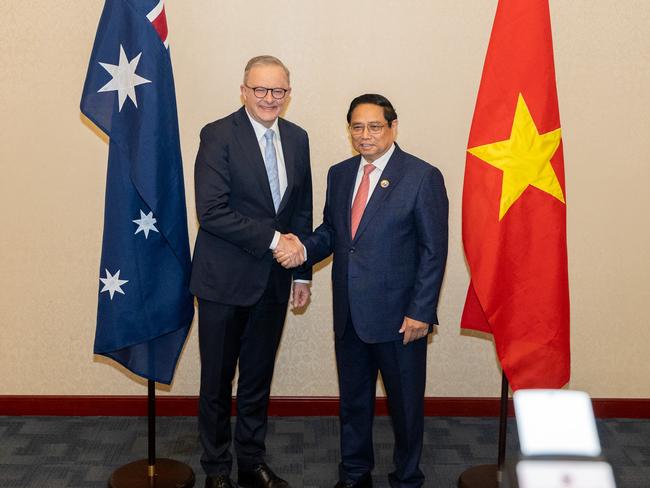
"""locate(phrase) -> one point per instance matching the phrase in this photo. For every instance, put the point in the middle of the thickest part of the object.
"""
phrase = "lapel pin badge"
(384, 183)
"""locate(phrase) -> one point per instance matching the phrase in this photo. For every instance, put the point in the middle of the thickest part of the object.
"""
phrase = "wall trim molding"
(85, 405)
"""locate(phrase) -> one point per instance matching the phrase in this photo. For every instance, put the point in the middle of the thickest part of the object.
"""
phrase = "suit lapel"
(289, 156)
(391, 175)
(349, 180)
(246, 137)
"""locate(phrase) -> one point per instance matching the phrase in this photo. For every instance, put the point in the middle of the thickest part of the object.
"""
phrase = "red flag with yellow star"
(514, 210)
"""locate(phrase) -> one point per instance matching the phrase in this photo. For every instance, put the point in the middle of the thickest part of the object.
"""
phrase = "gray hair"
(264, 60)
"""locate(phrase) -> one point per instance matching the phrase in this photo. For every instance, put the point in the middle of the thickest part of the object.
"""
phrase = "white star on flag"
(124, 78)
(146, 223)
(112, 283)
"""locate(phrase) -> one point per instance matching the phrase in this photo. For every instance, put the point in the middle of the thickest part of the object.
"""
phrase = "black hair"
(374, 99)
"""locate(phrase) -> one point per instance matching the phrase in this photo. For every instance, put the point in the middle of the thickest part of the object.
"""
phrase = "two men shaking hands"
(290, 253)
(385, 222)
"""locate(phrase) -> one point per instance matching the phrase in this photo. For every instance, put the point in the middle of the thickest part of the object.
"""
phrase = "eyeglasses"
(261, 91)
(357, 129)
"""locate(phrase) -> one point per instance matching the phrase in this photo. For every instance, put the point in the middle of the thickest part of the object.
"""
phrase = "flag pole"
(491, 475)
(503, 425)
(152, 472)
(151, 431)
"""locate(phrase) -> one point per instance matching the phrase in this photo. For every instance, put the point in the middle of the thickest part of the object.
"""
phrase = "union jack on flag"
(158, 19)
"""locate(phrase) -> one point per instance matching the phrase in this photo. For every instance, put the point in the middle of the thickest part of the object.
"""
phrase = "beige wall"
(427, 58)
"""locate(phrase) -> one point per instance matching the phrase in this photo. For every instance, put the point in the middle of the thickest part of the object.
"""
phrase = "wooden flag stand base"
(167, 473)
(483, 476)
(152, 472)
(490, 475)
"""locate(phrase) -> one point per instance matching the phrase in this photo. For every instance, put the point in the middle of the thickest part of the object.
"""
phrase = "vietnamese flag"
(514, 203)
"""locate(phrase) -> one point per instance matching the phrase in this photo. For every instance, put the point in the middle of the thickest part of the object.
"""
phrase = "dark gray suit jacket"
(232, 263)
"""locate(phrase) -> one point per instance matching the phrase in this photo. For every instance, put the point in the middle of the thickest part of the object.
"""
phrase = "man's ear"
(393, 127)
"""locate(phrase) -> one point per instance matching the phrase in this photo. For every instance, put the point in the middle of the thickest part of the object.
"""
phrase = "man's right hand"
(289, 252)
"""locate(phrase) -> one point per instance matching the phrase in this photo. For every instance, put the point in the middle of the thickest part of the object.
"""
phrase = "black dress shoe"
(364, 482)
(220, 481)
(260, 476)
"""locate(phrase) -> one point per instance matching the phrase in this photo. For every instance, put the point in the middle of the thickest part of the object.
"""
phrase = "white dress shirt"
(379, 164)
(260, 130)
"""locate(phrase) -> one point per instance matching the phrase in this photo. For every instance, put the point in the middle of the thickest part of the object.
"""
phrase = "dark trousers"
(229, 333)
(403, 370)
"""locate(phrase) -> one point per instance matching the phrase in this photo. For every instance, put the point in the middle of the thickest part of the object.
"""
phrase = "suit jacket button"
(352, 250)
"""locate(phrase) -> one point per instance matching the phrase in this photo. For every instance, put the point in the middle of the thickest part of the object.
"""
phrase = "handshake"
(289, 252)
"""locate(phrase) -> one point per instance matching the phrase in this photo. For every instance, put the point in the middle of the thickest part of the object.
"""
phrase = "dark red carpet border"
(54, 405)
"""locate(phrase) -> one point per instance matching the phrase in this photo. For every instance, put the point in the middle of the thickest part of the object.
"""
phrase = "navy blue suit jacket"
(232, 263)
(395, 264)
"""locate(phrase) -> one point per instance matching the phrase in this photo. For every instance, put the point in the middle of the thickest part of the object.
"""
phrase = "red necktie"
(360, 199)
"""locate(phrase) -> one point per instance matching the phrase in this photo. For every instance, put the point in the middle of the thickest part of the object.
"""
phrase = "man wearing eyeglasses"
(253, 196)
(385, 220)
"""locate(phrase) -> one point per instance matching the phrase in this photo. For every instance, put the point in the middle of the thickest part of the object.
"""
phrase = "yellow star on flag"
(525, 158)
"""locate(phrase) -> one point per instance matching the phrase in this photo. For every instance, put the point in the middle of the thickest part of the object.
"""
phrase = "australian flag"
(145, 308)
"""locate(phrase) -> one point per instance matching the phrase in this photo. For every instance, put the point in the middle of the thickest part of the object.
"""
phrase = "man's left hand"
(413, 329)
(301, 294)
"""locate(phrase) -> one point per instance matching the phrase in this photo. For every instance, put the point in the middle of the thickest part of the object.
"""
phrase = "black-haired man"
(385, 221)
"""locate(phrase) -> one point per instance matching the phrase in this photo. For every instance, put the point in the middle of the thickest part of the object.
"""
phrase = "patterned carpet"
(81, 452)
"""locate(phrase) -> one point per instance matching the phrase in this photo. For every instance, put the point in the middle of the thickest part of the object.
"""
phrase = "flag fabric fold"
(144, 306)
(514, 207)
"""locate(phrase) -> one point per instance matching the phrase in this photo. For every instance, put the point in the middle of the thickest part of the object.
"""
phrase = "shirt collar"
(380, 163)
(260, 130)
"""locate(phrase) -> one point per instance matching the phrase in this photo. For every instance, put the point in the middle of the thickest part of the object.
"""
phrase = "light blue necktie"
(271, 163)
